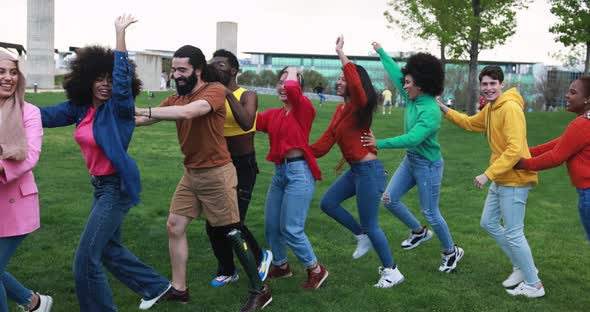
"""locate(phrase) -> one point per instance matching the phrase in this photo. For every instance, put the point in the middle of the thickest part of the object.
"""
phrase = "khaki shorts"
(208, 190)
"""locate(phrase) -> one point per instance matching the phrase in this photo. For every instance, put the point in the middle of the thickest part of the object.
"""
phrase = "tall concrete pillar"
(40, 43)
(227, 36)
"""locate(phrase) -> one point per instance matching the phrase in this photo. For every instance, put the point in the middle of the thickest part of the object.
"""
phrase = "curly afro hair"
(90, 64)
(427, 72)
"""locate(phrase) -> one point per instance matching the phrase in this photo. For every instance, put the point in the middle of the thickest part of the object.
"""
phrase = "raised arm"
(353, 81)
(301, 106)
(392, 69)
(123, 71)
(244, 110)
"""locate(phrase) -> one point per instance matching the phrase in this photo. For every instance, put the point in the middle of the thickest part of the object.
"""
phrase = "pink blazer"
(19, 201)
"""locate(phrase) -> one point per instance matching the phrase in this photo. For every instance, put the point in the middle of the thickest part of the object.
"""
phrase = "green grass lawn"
(44, 260)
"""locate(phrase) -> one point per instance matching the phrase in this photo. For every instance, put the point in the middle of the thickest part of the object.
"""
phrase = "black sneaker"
(416, 239)
(258, 300)
(449, 261)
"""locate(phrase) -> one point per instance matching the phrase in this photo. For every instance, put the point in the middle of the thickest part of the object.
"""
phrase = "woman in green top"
(423, 79)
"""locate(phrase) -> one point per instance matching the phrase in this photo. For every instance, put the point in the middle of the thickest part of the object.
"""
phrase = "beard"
(187, 87)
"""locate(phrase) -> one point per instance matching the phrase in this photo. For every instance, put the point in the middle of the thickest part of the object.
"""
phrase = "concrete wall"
(40, 43)
(227, 36)
(149, 70)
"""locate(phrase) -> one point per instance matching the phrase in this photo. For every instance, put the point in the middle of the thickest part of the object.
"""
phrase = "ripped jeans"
(415, 170)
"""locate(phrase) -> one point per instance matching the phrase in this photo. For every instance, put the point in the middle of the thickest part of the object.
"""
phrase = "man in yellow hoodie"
(505, 126)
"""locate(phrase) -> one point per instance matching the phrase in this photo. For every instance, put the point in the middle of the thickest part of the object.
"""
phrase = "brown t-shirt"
(201, 139)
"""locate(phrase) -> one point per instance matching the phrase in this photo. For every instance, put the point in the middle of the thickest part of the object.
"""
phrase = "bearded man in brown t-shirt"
(209, 181)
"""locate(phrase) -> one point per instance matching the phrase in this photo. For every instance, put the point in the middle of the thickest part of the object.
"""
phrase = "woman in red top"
(366, 177)
(573, 147)
(292, 186)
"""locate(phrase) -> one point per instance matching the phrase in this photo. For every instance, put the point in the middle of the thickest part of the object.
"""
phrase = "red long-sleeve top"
(343, 128)
(290, 129)
(573, 147)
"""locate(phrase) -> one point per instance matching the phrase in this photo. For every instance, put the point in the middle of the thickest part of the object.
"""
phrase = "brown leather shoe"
(315, 280)
(258, 300)
(175, 295)
(277, 272)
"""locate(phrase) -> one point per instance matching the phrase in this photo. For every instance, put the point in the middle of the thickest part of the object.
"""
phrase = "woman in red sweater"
(573, 147)
(366, 177)
(292, 186)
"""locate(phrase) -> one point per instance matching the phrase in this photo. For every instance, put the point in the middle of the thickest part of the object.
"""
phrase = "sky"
(301, 26)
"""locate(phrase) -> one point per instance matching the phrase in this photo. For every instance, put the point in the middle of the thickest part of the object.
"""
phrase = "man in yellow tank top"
(239, 134)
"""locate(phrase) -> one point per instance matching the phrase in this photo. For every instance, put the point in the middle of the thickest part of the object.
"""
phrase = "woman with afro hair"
(419, 82)
(101, 89)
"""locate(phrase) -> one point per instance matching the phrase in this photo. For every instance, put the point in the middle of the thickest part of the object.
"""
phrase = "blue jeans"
(8, 284)
(100, 244)
(508, 203)
(584, 209)
(287, 204)
(366, 180)
(418, 171)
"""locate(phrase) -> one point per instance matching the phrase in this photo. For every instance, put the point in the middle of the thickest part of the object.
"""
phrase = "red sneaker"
(315, 280)
(277, 272)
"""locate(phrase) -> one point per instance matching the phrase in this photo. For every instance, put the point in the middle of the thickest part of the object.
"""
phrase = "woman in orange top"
(366, 177)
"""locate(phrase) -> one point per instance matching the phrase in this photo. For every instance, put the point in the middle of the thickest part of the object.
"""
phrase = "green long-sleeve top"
(421, 119)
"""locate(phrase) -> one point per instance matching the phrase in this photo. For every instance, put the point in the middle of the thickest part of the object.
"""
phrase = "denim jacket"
(113, 126)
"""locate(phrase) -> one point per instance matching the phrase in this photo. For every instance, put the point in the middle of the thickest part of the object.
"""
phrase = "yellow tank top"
(231, 127)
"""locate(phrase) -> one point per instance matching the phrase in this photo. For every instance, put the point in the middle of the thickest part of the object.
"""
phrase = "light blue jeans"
(8, 284)
(508, 203)
(366, 180)
(415, 170)
(287, 204)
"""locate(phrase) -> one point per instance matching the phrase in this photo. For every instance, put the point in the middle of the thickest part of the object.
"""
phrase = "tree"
(473, 26)
(573, 26)
(247, 78)
(266, 78)
(314, 78)
(427, 19)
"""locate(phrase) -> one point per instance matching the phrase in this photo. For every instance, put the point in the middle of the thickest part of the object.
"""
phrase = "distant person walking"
(386, 96)
(319, 90)
(21, 134)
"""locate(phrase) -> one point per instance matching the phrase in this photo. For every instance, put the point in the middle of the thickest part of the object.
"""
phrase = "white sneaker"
(389, 277)
(449, 261)
(45, 303)
(146, 304)
(528, 291)
(363, 245)
(515, 278)
(416, 239)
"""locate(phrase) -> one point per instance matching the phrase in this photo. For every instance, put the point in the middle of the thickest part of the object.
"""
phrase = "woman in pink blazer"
(20, 145)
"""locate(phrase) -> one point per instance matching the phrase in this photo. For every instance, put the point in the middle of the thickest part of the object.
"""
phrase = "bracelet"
(149, 112)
